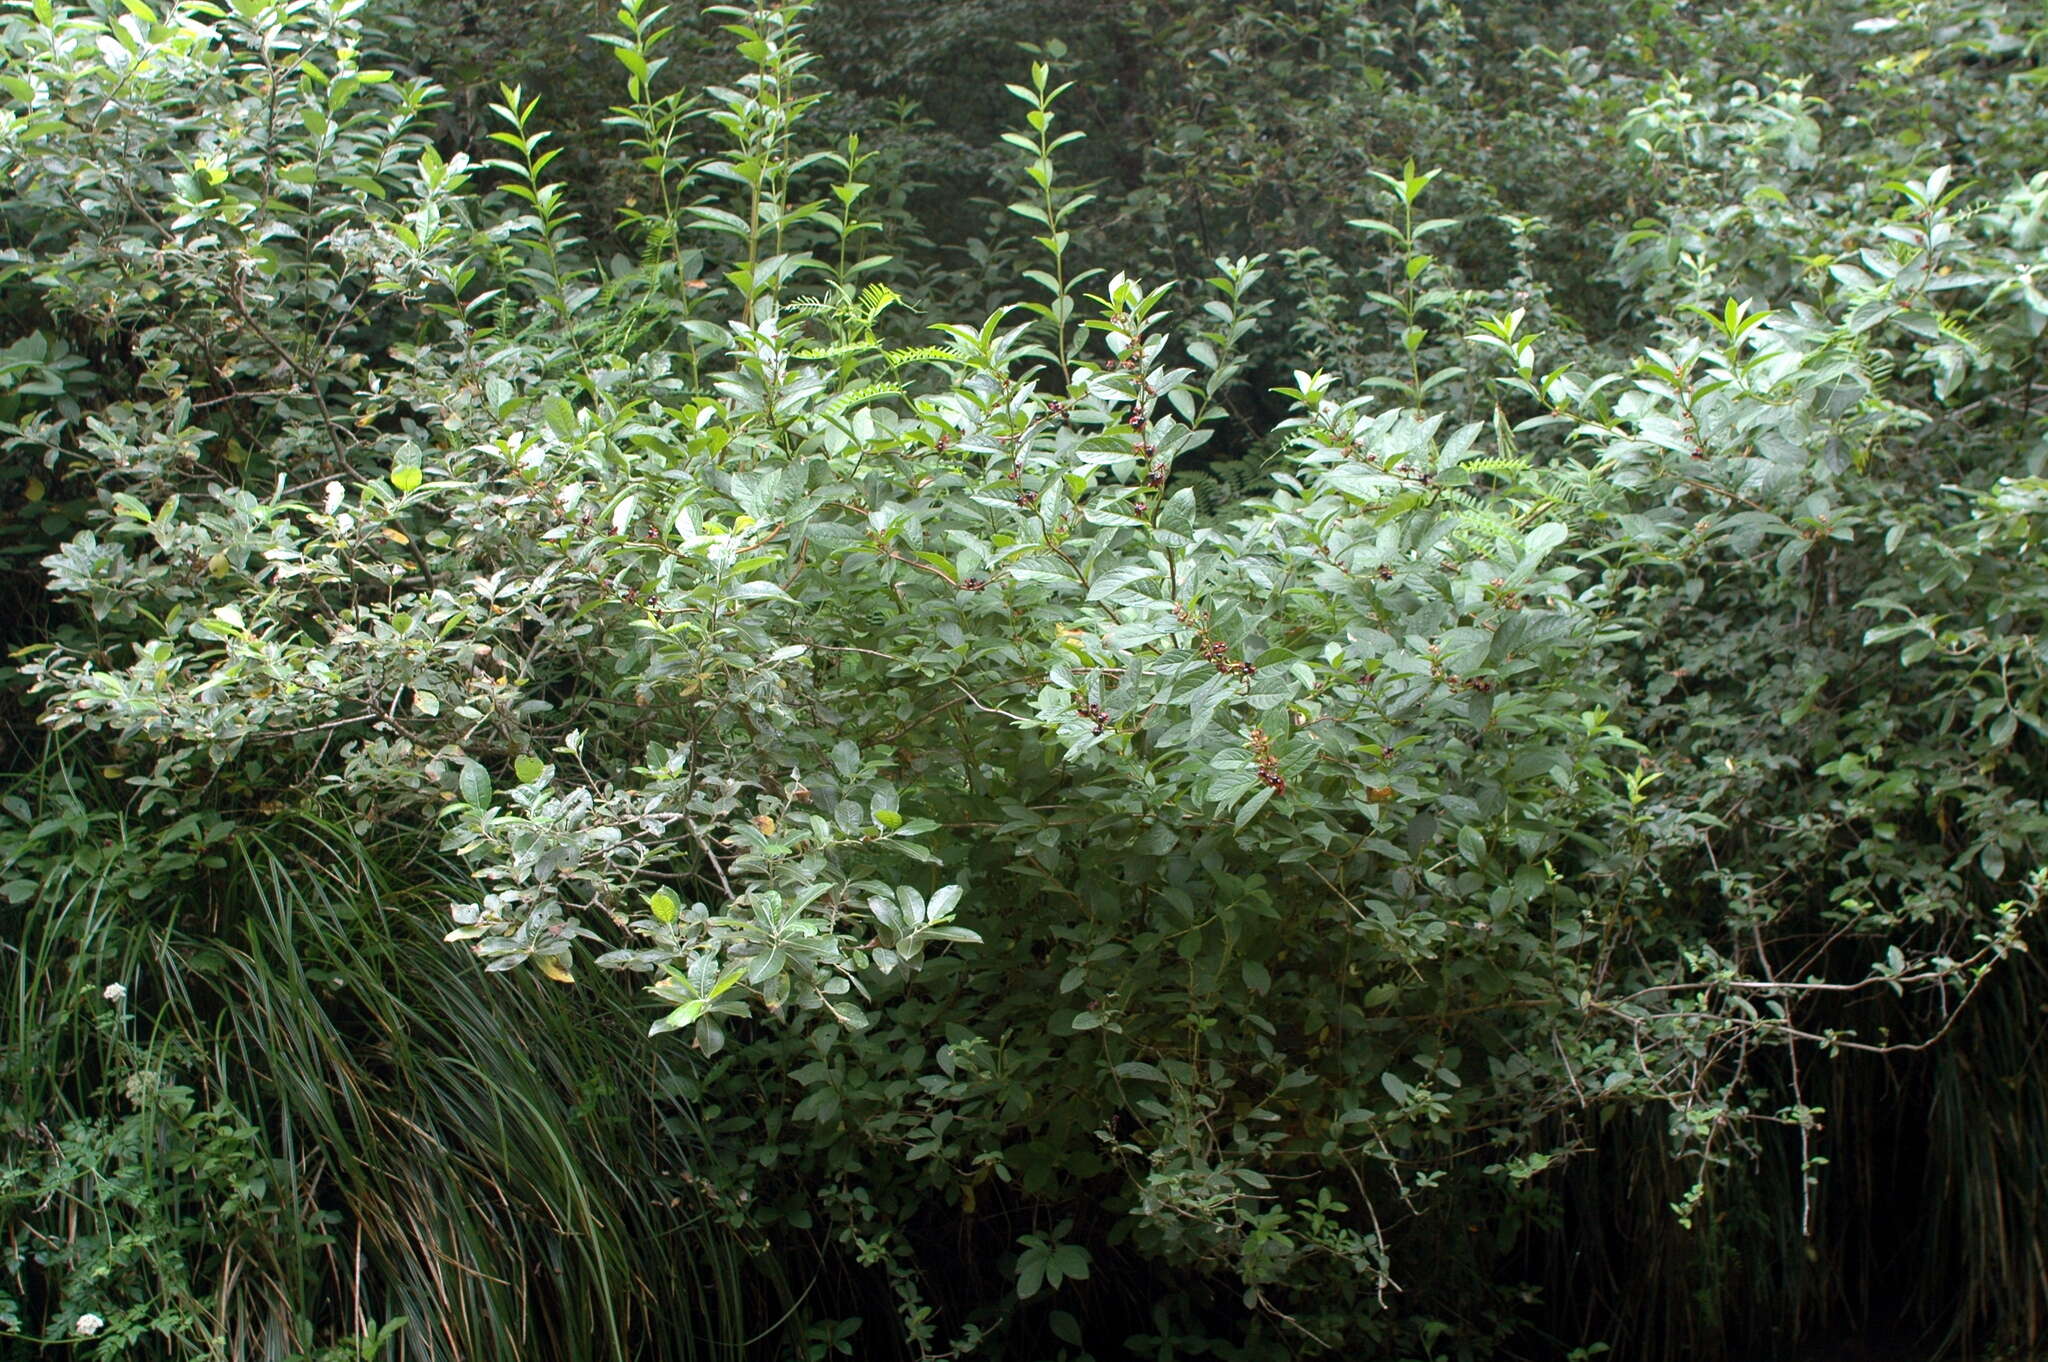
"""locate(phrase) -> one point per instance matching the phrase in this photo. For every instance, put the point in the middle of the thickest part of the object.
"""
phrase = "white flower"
(90, 1324)
(113, 993)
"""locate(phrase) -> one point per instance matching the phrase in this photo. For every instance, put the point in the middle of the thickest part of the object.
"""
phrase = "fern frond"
(1498, 465)
(1571, 484)
(861, 396)
(921, 354)
(1956, 331)
(840, 350)
(874, 300)
(1479, 528)
(1220, 485)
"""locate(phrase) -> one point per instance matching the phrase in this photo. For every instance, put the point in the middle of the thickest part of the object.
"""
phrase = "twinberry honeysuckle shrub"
(617, 630)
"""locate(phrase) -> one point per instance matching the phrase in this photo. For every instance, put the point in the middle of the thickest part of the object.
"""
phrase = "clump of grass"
(1983, 1259)
(305, 1117)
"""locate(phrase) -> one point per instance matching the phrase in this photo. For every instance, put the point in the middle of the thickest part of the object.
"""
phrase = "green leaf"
(474, 784)
(1065, 1263)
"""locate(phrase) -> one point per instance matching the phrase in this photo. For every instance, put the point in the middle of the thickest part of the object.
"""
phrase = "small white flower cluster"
(89, 1323)
(114, 993)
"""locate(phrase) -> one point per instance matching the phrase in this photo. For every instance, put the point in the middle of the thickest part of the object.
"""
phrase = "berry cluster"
(1217, 653)
(1140, 420)
(1268, 765)
(1214, 650)
(1092, 712)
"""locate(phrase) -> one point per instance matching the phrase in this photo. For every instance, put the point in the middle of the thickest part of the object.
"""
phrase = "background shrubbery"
(1328, 678)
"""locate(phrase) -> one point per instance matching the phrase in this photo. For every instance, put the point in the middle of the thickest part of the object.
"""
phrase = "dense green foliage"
(1335, 678)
